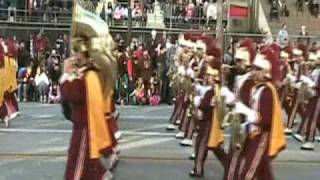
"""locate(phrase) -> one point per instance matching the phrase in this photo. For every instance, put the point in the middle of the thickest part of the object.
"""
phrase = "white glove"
(291, 78)
(200, 114)
(298, 85)
(229, 95)
(251, 115)
(197, 101)
(64, 78)
(310, 83)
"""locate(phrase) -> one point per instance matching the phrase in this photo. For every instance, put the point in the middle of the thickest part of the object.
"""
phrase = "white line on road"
(128, 132)
(36, 130)
(69, 131)
(143, 142)
(156, 126)
(144, 117)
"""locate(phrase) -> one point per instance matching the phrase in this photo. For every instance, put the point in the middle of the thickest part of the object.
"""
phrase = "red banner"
(238, 11)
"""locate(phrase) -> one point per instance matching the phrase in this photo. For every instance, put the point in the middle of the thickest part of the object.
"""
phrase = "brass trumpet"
(234, 121)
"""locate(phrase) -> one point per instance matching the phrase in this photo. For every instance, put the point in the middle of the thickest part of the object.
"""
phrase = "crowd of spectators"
(46, 10)
(39, 67)
(143, 67)
(281, 8)
(181, 11)
(118, 14)
(191, 11)
(59, 10)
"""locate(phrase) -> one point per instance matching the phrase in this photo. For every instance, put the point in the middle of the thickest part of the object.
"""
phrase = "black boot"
(195, 173)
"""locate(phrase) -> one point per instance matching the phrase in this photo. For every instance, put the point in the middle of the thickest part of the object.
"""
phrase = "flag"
(236, 11)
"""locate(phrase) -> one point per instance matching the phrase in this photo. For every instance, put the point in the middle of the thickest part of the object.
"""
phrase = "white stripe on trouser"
(314, 122)
(81, 155)
(258, 157)
(233, 164)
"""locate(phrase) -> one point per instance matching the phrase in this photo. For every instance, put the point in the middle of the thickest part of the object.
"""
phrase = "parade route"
(36, 144)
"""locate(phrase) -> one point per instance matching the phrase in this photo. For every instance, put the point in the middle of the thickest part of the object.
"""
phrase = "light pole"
(219, 34)
(129, 35)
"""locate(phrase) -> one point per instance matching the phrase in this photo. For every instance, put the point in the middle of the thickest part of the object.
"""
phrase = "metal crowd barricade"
(53, 17)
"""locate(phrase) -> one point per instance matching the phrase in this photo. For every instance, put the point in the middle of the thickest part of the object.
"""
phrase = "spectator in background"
(161, 72)
(66, 52)
(22, 84)
(53, 66)
(205, 8)
(3, 5)
(284, 11)
(47, 13)
(21, 5)
(167, 11)
(40, 45)
(122, 80)
(125, 12)
(313, 8)
(42, 84)
(299, 5)
(54, 6)
(23, 56)
(180, 11)
(189, 11)
(211, 12)
(145, 69)
(274, 11)
(197, 10)
(109, 13)
(30, 46)
(137, 13)
(227, 59)
(304, 39)
(38, 7)
(152, 46)
(139, 93)
(149, 6)
(154, 92)
(54, 93)
(139, 52)
(54, 58)
(60, 44)
(283, 36)
(12, 8)
(117, 14)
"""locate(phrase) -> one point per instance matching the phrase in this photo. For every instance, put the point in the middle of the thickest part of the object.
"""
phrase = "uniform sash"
(99, 135)
(216, 134)
(277, 140)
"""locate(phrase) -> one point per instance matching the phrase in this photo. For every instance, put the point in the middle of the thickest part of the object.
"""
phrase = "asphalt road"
(36, 144)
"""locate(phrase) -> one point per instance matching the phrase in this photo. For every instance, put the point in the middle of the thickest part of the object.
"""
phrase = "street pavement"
(35, 146)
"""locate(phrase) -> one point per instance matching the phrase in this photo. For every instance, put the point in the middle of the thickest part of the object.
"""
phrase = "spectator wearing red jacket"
(41, 44)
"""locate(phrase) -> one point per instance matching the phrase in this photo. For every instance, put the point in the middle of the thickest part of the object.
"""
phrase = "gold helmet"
(90, 34)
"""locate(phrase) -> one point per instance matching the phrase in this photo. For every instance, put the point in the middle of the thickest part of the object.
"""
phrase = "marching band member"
(3, 108)
(183, 72)
(186, 74)
(298, 67)
(187, 124)
(209, 134)
(10, 108)
(263, 122)
(285, 57)
(244, 54)
(311, 120)
(197, 64)
(244, 57)
(86, 84)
